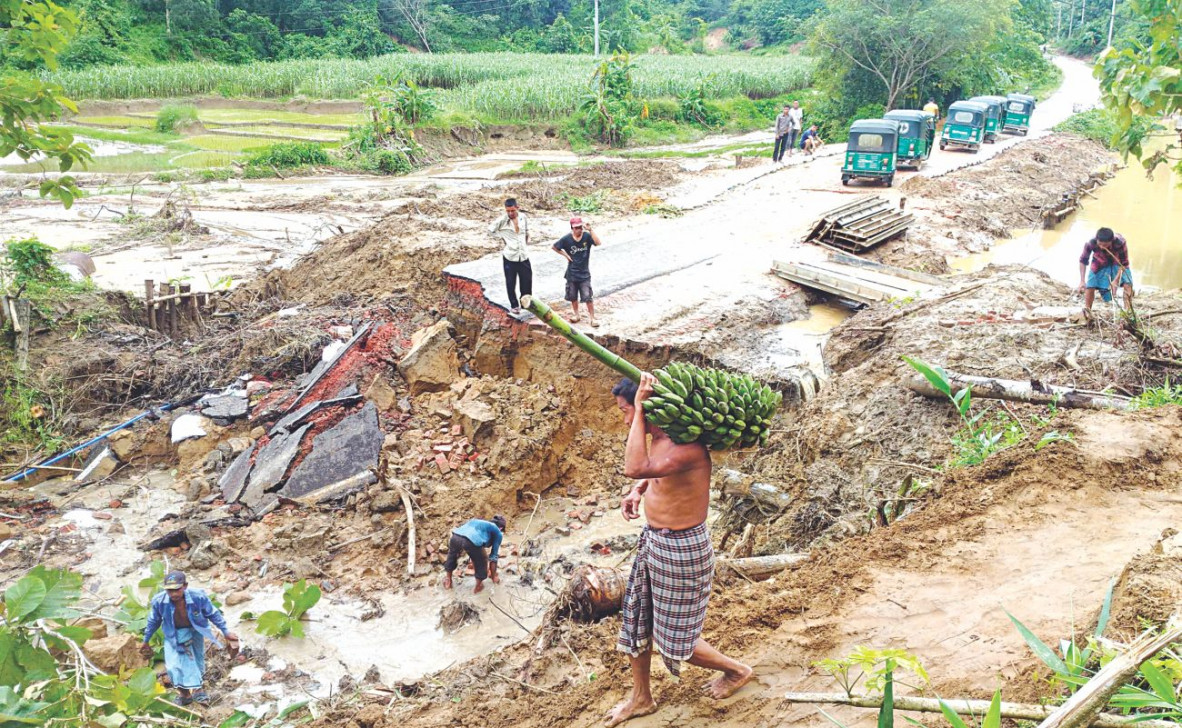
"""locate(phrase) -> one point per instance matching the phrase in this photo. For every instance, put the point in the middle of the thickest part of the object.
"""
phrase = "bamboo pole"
(1016, 391)
(149, 304)
(579, 339)
(1018, 711)
(1083, 707)
(408, 506)
(761, 567)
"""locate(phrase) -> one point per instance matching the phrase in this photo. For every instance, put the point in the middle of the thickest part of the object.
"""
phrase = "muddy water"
(808, 335)
(1148, 213)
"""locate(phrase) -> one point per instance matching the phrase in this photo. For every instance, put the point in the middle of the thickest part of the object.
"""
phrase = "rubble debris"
(348, 391)
(325, 366)
(476, 417)
(454, 616)
(225, 407)
(381, 394)
(342, 454)
(207, 554)
(100, 464)
(433, 361)
(269, 468)
(187, 427)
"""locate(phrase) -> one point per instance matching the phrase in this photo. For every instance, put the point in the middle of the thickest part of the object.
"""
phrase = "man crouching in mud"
(665, 604)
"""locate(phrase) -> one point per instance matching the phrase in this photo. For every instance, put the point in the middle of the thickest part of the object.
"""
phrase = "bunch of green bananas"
(715, 407)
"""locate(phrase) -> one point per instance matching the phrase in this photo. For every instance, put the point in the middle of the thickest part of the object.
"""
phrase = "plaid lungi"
(668, 591)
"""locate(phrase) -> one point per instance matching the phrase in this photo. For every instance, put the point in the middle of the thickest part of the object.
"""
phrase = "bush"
(1096, 124)
(386, 161)
(290, 154)
(175, 115)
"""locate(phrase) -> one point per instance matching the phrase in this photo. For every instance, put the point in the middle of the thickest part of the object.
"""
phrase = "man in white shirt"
(512, 229)
(797, 116)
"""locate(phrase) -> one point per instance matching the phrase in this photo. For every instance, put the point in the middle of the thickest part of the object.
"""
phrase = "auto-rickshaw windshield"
(964, 117)
(1019, 107)
(866, 142)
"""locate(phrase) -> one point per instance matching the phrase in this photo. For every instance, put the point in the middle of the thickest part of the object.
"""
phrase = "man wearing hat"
(472, 538)
(576, 248)
(185, 614)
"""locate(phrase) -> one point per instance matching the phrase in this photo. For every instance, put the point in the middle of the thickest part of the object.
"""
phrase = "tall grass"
(498, 85)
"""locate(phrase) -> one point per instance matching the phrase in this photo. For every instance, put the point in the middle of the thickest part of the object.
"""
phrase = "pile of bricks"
(448, 450)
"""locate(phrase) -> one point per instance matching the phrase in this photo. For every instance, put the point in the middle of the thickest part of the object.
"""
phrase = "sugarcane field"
(517, 382)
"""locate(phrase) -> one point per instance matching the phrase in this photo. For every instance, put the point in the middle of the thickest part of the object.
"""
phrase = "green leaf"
(993, 715)
(23, 597)
(296, 628)
(1105, 611)
(273, 624)
(237, 719)
(935, 375)
(291, 709)
(114, 720)
(1159, 681)
(77, 635)
(1039, 648)
(832, 720)
(886, 714)
(143, 682)
(951, 716)
(38, 664)
(63, 588)
(963, 400)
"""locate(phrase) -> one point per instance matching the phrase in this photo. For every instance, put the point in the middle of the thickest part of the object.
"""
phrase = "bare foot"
(574, 319)
(479, 587)
(626, 710)
(727, 684)
(447, 581)
(594, 324)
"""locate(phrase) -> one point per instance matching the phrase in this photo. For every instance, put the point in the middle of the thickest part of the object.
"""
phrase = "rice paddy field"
(493, 86)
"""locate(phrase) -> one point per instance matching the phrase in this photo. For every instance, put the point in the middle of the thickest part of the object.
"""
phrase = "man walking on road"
(932, 108)
(472, 538)
(783, 125)
(184, 615)
(512, 229)
(669, 587)
(1109, 257)
(576, 248)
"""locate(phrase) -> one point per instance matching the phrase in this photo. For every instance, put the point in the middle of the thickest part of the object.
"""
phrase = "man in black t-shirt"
(576, 248)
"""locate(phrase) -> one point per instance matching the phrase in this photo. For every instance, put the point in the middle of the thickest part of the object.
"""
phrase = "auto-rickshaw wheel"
(890, 180)
(943, 146)
(845, 179)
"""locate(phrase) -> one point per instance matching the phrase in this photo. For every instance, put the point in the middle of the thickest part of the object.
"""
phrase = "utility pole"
(1059, 20)
(596, 28)
(168, 17)
(1070, 19)
(1083, 13)
(1111, 22)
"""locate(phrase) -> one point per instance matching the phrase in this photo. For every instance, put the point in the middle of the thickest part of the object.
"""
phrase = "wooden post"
(21, 311)
(149, 306)
(172, 312)
(162, 308)
(187, 301)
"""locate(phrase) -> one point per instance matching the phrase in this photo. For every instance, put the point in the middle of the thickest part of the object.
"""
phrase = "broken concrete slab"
(289, 420)
(432, 363)
(234, 479)
(341, 454)
(187, 427)
(348, 391)
(101, 463)
(270, 466)
(225, 407)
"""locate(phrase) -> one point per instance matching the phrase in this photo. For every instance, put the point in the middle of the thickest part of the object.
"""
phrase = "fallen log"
(761, 567)
(1031, 392)
(1017, 711)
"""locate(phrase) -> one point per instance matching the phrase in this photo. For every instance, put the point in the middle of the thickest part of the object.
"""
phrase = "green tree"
(254, 33)
(904, 43)
(37, 31)
(1144, 79)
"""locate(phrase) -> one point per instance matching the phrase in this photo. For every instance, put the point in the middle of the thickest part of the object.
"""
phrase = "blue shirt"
(482, 533)
(806, 136)
(201, 613)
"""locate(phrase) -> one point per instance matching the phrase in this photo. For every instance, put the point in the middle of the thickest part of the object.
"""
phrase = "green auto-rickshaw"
(871, 151)
(1019, 108)
(995, 115)
(964, 126)
(917, 130)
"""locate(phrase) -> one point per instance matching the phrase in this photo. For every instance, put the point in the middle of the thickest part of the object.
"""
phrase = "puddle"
(343, 637)
(1148, 213)
(807, 336)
